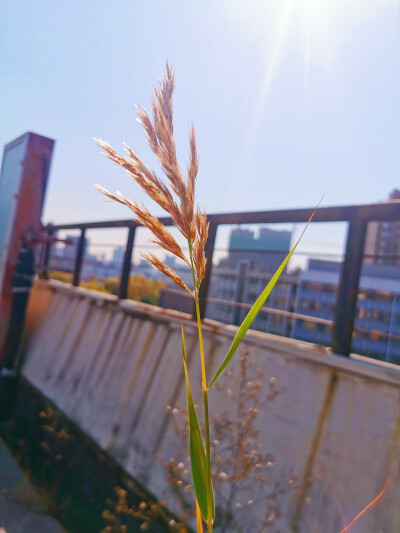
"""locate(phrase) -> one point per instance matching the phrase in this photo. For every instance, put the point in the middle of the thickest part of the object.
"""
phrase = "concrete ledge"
(320, 355)
(112, 366)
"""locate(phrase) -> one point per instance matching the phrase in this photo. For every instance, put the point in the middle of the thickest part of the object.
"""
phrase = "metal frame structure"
(28, 171)
(357, 217)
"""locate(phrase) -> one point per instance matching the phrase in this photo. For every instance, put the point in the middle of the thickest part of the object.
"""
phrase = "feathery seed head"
(166, 270)
(107, 193)
(160, 136)
(201, 227)
(162, 236)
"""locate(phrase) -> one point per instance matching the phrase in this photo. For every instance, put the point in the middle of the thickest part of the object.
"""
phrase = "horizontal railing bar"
(273, 311)
(95, 225)
(64, 270)
(381, 256)
(248, 250)
(387, 334)
(183, 293)
(300, 316)
(257, 276)
(105, 245)
(385, 211)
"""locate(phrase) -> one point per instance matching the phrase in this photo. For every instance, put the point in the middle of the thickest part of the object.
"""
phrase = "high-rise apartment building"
(383, 239)
(241, 284)
(267, 250)
(240, 278)
(377, 321)
(118, 255)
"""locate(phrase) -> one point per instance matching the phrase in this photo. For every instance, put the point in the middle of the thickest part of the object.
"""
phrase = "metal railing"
(356, 216)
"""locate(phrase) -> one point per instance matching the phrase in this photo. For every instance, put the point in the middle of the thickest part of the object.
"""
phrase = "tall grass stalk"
(177, 198)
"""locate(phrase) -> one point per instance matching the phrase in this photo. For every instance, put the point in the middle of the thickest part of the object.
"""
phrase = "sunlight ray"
(273, 63)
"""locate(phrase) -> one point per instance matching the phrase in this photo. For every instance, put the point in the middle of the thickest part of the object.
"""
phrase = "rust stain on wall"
(117, 332)
(307, 476)
(175, 394)
(131, 385)
(392, 458)
(152, 374)
(78, 336)
(394, 445)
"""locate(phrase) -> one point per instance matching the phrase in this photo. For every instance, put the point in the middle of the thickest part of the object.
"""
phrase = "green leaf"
(198, 458)
(251, 315)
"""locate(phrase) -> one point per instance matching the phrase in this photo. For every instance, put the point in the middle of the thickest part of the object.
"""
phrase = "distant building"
(377, 314)
(383, 238)
(70, 249)
(267, 250)
(143, 268)
(243, 284)
(63, 256)
(63, 259)
(242, 276)
(118, 255)
(181, 269)
(99, 268)
(171, 297)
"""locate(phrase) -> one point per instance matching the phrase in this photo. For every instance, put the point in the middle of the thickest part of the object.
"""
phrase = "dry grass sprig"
(160, 131)
(108, 194)
(177, 198)
(160, 136)
(166, 270)
(162, 236)
(193, 167)
(372, 503)
(201, 228)
(146, 179)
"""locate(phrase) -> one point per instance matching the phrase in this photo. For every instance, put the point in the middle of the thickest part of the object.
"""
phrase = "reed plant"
(176, 196)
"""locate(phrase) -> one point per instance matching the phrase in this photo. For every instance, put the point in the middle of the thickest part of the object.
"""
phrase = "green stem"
(205, 396)
(206, 424)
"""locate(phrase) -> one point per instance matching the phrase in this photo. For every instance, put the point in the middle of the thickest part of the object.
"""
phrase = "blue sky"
(290, 99)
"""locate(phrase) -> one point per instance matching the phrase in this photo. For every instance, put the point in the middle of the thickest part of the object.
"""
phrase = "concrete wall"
(113, 366)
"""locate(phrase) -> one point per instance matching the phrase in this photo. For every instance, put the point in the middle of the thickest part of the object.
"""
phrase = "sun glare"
(310, 32)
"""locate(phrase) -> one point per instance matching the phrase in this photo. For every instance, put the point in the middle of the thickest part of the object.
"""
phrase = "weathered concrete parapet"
(112, 367)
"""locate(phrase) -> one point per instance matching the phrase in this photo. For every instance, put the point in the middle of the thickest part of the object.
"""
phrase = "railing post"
(45, 256)
(346, 301)
(126, 265)
(209, 251)
(79, 258)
